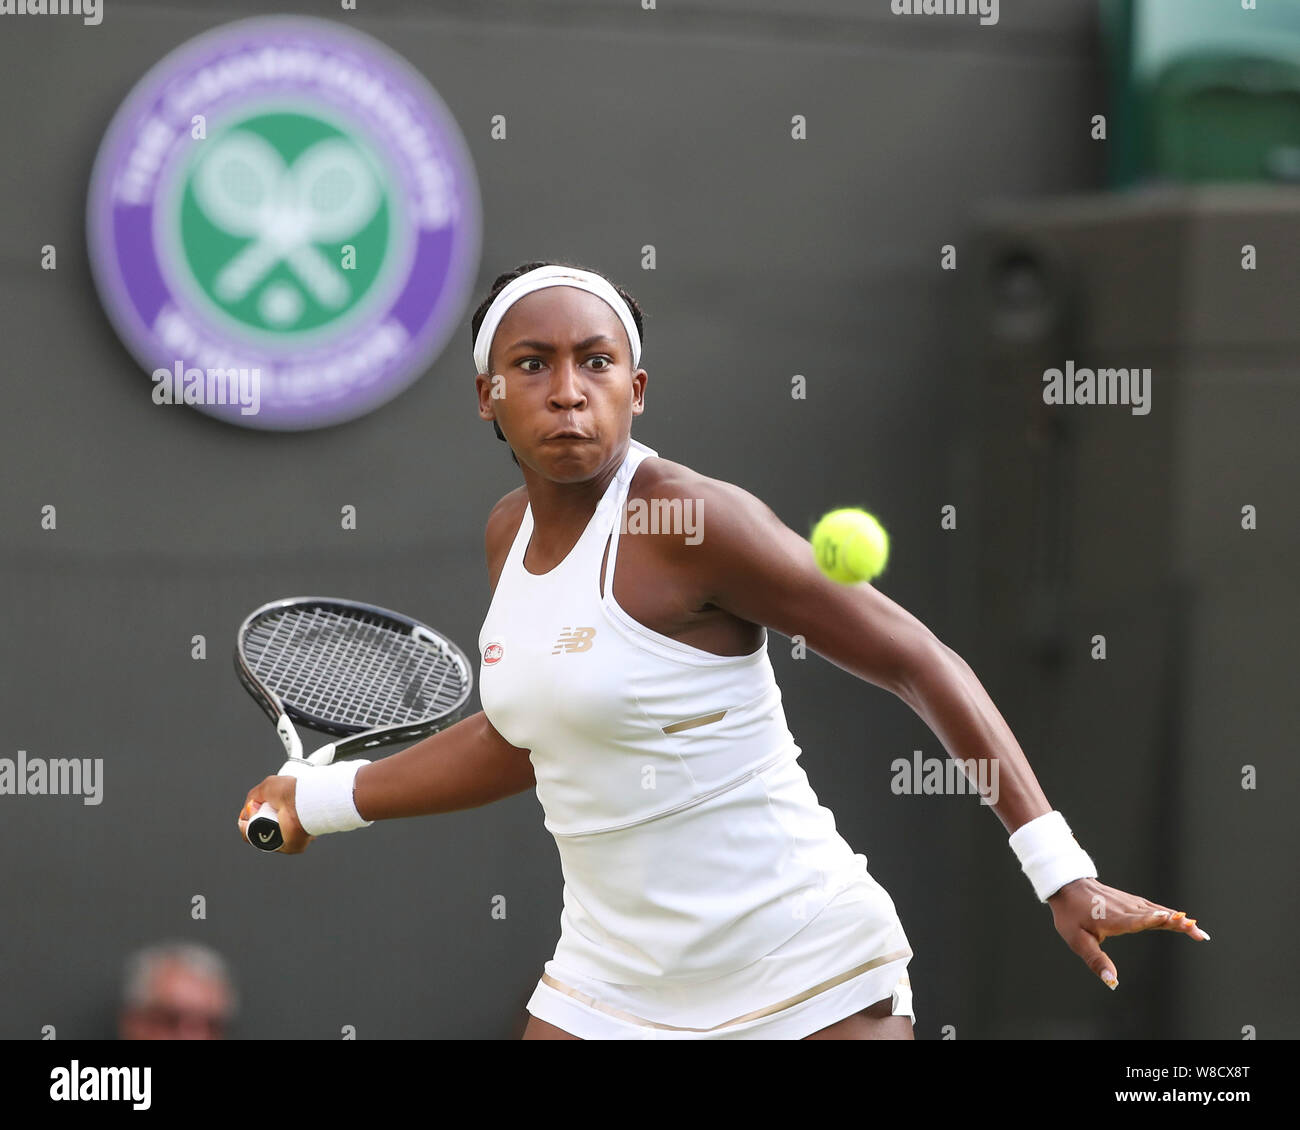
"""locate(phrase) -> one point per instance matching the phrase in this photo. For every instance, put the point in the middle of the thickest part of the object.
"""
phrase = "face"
(565, 363)
(182, 1005)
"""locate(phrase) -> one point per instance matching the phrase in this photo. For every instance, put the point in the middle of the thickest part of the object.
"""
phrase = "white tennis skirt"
(850, 955)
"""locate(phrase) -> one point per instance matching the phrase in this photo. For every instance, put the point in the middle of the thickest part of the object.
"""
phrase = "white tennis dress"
(707, 893)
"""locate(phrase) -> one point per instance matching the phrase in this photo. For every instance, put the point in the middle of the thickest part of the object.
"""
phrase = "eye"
(608, 362)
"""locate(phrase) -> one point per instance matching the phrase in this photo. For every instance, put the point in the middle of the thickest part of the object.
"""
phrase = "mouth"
(568, 433)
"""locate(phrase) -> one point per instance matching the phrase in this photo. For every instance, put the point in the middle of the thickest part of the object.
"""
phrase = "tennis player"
(624, 674)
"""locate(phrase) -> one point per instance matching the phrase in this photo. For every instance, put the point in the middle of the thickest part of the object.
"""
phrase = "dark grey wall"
(626, 128)
(1172, 753)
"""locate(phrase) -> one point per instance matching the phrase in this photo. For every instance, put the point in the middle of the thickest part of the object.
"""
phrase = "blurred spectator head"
(176, 991)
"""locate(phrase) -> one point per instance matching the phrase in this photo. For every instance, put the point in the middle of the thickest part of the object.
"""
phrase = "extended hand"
(278, 792)
(1086, 912)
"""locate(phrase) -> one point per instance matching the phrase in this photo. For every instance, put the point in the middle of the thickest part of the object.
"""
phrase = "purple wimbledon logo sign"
(284, 224)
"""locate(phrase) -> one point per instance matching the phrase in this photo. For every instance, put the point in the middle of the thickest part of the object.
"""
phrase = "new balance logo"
(574, 639)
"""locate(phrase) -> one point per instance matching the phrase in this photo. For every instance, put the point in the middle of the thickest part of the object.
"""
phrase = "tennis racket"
(367, 675)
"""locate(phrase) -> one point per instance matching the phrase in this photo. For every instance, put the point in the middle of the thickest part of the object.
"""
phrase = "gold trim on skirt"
(591, 1001)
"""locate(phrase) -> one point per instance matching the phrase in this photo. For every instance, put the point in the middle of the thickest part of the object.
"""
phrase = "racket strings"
(351, 668)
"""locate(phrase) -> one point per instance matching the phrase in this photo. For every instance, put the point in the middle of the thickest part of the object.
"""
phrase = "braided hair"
(499, 284)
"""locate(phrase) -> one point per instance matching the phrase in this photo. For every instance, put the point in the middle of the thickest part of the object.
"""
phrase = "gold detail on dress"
(787, 1003)
(691, 723)
(574, 639)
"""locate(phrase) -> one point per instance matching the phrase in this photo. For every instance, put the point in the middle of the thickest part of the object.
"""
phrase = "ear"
(483, 388)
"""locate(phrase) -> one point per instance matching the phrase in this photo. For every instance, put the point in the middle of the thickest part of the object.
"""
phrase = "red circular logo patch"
(492, 653)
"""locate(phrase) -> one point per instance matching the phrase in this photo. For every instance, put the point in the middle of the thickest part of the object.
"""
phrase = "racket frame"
(352, 739)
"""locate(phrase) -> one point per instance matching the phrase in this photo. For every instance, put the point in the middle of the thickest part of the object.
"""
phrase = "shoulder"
(662, 484)
(509, 507)
(745, 560)
(502, 525)
(657, 477)
(701, 527)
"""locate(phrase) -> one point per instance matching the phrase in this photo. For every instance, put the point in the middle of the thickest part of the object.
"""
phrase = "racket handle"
(264, 829)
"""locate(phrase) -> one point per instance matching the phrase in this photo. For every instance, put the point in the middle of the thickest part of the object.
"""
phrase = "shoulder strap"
(636, 452)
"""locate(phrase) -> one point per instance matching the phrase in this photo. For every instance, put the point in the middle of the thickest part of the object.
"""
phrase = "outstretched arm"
(464, 766)
(754, 566)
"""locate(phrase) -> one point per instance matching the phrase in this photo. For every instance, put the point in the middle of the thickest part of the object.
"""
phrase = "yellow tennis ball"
(850, 546)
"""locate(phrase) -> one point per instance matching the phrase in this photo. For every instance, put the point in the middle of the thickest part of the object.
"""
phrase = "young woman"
(624, 675)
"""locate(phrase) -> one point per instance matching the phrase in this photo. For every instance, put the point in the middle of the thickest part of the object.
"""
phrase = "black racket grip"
(264, 829)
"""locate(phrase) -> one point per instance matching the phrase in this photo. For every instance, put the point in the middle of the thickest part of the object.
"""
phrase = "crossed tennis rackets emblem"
(245, 188)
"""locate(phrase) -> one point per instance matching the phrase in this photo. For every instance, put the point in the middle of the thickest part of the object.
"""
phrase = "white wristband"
(323, 797)
(1050, 855)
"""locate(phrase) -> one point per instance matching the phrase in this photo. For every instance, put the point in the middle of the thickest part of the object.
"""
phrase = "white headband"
(541, 277)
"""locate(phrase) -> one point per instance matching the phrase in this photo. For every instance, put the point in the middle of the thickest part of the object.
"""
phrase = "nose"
(566, 388)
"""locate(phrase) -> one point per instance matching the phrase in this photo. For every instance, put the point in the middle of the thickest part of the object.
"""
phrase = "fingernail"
(1161, 914)
(1110, 979)
(1205, 936)
(1180, 914)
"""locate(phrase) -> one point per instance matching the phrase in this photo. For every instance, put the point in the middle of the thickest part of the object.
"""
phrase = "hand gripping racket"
(365, 674)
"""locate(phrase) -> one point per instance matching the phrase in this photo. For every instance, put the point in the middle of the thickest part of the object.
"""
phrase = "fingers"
(278, 794)
(259, 794)
(1162, 918)
(1124, 913)
(1088, 948)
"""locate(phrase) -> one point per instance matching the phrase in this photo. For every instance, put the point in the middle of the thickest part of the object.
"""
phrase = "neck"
(561, 509)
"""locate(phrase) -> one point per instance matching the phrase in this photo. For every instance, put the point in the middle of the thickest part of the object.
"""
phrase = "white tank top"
(642, 748)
